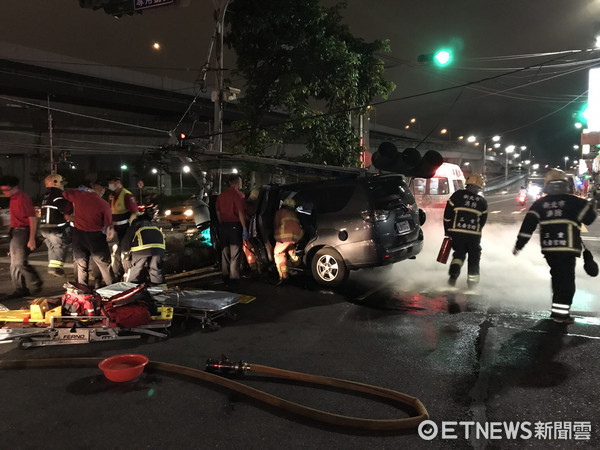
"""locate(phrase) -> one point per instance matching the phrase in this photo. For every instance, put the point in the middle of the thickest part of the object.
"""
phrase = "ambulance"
(435, 191)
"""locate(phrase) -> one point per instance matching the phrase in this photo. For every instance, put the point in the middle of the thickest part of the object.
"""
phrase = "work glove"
(516, 250)
(245, 233)
(126, 261)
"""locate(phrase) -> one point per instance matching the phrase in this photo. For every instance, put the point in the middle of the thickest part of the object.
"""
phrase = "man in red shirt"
(23, 226)
(92, 229)
(231, 207)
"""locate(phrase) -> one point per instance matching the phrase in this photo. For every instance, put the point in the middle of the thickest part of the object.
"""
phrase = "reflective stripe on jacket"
(147, 237)
(466, 212)
(560, 217)
(120, 213)
(287, 226)
(53, 208)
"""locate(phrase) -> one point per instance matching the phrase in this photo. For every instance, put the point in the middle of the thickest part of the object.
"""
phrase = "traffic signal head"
(441, 58)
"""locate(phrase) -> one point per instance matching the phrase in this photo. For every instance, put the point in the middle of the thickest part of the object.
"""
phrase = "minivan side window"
(458, 185)
(331, 199)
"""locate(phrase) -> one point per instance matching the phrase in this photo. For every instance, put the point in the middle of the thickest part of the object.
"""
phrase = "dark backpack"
(80, 300)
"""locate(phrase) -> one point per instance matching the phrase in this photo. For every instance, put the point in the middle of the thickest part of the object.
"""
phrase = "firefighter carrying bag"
(130, 308)
(80, 300)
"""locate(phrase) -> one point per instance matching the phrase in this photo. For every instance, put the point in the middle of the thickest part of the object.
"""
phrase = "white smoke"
(521, 281)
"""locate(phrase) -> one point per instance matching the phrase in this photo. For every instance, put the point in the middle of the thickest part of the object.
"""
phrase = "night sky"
(493, 40)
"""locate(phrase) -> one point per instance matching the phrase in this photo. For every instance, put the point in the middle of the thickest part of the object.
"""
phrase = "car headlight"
(167, 212)
(188, 212)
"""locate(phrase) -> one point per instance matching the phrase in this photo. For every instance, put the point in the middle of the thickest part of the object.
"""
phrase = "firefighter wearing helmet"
(143, 248)
(464, 217)
(559, 215)
(54, 227)
(288, 232)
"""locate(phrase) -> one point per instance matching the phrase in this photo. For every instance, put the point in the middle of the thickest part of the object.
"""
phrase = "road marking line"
(495, 212)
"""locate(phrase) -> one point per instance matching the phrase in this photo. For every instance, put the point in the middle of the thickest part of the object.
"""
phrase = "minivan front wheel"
(328, 267)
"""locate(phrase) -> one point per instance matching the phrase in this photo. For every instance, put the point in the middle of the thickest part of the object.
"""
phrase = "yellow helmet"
(54, 180)
(253, 195)
(289, 202)
(475, 179)
(555, 175)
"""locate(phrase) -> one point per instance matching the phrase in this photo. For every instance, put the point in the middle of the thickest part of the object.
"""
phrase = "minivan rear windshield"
(388, 192)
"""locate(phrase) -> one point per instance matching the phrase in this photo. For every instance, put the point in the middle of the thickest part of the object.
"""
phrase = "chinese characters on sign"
(143, 4)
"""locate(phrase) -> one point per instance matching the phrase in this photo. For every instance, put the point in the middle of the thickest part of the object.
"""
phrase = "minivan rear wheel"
(328, 267)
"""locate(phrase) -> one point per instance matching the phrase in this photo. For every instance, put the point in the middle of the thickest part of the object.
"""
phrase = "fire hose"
(225, 366)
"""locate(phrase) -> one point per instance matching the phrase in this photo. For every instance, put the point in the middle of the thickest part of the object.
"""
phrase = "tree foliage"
(298, 59)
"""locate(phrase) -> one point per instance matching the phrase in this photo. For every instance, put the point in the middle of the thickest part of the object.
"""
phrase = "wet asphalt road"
(488, 356)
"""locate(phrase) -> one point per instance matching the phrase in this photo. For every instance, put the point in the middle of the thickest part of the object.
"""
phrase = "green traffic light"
(443, 57)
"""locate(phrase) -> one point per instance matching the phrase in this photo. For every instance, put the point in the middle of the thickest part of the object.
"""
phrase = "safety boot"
(472, 281)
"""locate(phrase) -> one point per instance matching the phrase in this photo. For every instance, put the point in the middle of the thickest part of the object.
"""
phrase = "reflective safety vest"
(560, 217)
(147, 237)
(52, 209)
(120, 213)
(287, 226)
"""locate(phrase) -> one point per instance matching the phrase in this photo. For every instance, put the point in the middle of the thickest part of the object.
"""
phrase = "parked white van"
(435, 191)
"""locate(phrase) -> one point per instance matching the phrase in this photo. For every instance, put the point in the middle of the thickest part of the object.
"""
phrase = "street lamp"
(184, 169)
(445, 132)
(566, 159)
(507, 150)
(123, 167)
(156, 171)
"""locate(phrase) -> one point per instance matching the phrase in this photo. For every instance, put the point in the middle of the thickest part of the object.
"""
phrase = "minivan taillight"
(377, 215)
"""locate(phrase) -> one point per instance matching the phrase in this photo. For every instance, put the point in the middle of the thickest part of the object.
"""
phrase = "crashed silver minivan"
(349, 224)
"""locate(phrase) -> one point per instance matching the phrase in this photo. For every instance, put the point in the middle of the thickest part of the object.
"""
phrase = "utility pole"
(52, 166)
(220, 9)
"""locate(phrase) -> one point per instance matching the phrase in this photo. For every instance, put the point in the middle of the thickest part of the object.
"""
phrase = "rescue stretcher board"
(200, 304)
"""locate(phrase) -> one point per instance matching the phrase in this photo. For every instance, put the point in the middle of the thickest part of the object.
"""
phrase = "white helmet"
(555, 175)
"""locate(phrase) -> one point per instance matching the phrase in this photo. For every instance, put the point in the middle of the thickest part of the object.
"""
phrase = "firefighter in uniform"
(288, 232)
(464, 217)
(122, 206)
(560, 216)
(54, 227)
(144, 245)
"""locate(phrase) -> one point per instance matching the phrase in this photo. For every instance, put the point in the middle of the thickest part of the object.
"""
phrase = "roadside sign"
(143, 4)
(140, 184)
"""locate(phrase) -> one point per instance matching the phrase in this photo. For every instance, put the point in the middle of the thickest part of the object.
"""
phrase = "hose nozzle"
(224, 365)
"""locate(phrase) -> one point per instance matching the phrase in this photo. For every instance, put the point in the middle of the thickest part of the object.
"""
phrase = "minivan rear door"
(395, 211)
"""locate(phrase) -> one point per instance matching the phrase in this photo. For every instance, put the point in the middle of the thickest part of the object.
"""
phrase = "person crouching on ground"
(144, 245)
(288, 232)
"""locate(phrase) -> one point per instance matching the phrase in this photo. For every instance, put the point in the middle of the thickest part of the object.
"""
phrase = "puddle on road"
(419, 303)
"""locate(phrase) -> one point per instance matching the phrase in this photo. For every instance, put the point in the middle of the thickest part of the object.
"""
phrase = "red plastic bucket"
(122, 368)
